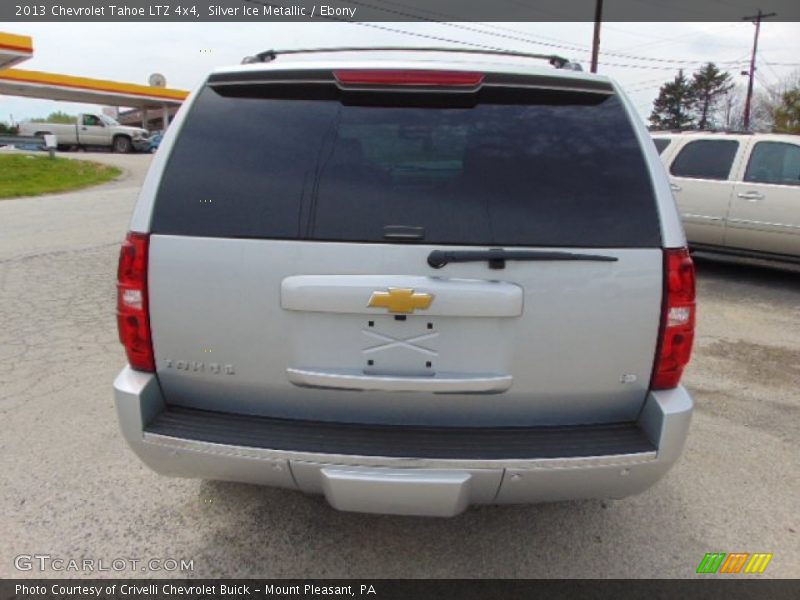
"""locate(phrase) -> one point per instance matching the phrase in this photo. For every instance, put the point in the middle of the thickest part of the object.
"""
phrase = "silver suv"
(410, 281)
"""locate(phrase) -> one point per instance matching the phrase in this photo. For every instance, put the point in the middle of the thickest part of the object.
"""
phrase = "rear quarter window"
(517, 168)
(705, 159)
(774, 162)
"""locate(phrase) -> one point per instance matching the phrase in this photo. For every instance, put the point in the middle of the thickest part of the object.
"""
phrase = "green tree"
(708, 85)
(57, 117)
(673, 108)
(787, 114)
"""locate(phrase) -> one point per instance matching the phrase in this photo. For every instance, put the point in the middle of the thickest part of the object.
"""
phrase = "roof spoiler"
(559, 62)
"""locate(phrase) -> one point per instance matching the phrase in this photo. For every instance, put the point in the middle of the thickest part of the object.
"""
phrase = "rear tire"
(122, 144)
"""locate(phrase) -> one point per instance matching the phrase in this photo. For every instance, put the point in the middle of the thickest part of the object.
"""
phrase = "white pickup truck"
(91, 130)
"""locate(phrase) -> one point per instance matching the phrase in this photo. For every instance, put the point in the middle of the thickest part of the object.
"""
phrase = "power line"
(487, 46)
(649, 67)
(392, 30)
(644, 86)
(769, 66)
(524, 37)
(784, 64)
(762, 80)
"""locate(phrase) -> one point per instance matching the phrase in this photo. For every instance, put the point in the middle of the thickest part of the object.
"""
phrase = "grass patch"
(30, 175)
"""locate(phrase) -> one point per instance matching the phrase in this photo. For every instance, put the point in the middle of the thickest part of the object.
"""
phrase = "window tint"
(774, 162)
(705, 159)
(661, 144)
(530, 169)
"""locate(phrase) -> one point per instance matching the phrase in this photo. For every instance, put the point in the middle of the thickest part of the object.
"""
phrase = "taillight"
(677, 321)
(408, 77)
(133, 318)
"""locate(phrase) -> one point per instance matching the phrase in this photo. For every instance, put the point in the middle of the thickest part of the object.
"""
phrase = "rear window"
(511, 168)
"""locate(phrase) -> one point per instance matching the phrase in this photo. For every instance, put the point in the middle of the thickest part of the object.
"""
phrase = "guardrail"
(42, 140)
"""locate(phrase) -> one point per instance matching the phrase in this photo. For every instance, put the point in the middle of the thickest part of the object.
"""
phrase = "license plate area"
(400, 345)
(459, 354)
(463, 331)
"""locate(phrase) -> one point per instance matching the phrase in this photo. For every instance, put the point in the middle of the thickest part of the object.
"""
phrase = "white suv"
(738, 193)
(408, 280)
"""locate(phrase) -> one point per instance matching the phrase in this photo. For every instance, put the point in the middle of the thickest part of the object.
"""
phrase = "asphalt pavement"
(71, 489)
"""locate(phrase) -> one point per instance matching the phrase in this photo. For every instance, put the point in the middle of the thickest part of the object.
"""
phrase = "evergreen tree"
(674, 105)
(708, 85)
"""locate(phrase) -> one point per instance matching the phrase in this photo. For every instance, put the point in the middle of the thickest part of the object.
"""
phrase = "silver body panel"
(440, 487)
(580, 351)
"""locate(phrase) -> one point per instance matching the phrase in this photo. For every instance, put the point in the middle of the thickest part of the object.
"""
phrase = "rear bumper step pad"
(401, 441)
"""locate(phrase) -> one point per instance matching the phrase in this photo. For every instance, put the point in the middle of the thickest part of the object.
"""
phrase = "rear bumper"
(422, 471)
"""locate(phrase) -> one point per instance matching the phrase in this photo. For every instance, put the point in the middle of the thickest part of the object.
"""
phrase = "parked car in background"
(155, 140)
(738, 193)
(409, 280)
(91, 130)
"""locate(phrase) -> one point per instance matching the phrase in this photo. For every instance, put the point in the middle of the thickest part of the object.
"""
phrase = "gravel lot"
(72, 489)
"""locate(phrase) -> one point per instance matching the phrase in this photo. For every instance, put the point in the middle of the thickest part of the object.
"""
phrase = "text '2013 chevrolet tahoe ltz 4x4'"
(410, 281)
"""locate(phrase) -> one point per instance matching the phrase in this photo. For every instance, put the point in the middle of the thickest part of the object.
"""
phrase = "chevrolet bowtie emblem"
(400, 300)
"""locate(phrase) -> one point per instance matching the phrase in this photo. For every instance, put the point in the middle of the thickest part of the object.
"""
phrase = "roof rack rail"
(559, 62)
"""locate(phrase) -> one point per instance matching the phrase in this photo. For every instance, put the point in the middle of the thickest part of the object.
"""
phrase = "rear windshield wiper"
(497, 257)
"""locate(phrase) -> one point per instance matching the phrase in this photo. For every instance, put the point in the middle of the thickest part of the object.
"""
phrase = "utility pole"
(756, 20)
(598, 17)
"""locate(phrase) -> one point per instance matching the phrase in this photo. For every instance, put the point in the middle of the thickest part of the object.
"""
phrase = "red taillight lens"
(133, 318)
(677, 322)
(408, 77)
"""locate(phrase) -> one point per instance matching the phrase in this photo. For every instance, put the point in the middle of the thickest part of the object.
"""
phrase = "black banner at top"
(231, 11)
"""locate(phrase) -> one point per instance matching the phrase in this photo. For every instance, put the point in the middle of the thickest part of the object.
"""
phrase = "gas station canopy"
(51, 86)
(36, 84)
(14, 49)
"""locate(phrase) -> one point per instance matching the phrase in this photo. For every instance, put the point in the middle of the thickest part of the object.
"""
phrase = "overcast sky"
(646, 54)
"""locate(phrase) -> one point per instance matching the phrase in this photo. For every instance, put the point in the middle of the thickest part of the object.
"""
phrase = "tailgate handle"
(497, 257)
(403, 233)
(442, 384)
